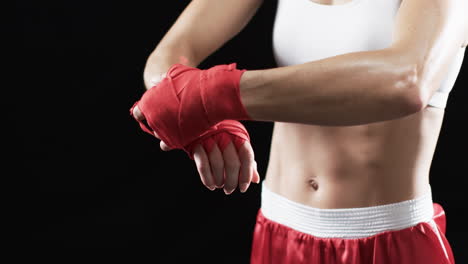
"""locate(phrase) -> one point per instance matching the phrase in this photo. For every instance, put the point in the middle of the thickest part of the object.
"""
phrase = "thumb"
(256, 176)
(137, 114)
(164, 146)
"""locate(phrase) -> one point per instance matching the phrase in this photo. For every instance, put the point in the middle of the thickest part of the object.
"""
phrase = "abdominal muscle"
(354, 166)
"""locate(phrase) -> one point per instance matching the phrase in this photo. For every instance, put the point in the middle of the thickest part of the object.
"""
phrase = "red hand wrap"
(221, 134)
(189, 101)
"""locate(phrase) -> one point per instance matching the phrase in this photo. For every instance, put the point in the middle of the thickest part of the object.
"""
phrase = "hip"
(411, 231)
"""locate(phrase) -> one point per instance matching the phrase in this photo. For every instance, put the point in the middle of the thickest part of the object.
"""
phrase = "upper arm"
(205, 25)
(428, 34)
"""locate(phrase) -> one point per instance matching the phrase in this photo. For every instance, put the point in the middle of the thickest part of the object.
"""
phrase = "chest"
(304, 30)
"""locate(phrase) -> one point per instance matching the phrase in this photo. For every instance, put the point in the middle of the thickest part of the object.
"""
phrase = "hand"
(227, 169)
(152, 81)
(139, 117)
(181, 106)
(218, 169)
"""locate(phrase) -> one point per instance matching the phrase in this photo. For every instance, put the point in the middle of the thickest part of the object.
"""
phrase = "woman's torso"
(352, 166)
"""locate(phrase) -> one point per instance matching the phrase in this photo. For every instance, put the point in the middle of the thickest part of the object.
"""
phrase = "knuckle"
(233, 165)
(246, 159)
(232, 175)
(249, 154)
(198, 149)
(201, 166)
(217, 166)
(205, 173)
(232, 170)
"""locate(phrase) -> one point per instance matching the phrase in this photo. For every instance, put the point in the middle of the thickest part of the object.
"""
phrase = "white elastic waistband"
(347, 222)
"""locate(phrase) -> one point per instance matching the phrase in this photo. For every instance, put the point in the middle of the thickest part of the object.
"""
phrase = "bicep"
(429, 34)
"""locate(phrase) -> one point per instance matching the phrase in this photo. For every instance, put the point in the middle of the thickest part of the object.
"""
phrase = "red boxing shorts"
(409, 232)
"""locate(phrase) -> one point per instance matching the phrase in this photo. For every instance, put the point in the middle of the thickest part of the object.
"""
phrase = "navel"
(313, 183)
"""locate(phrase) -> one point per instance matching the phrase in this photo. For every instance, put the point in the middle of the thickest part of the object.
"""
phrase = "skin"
(327, 150)
(331, 2)
(191, 39)
(344, 153)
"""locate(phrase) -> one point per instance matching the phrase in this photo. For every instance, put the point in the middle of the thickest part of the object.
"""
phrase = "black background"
(89, 178)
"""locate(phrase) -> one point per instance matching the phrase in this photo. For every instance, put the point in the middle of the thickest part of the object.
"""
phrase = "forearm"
(349, 89)
(195, 36)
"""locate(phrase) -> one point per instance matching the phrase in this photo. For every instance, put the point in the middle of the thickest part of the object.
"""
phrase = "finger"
(256, 177)
(156, 135)
(217, 166)
(163, 145)
(140, 117)
(203, 167)
(246, 157)
(231, 168)
(137, 114)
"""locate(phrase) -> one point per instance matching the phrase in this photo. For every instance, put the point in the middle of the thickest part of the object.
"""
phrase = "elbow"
(407, 85)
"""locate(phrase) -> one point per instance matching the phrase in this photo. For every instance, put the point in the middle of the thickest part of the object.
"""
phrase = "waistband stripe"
(346, 222)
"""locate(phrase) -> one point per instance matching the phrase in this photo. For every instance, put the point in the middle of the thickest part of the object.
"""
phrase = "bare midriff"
(354, 166)
(331, 2)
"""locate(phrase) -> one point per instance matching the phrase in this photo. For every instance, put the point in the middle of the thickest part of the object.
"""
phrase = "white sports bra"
(305, 31)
